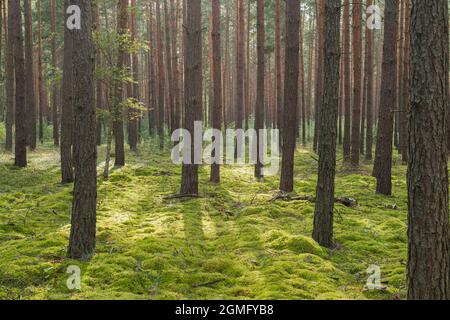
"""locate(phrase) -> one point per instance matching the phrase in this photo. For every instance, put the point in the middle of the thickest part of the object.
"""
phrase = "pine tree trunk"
(370, 87)
(278, 91)
(347, 83)
(428, 197)
(83, 224)
(67, 115)
(55, 113)
(323, 215)
(192, 89)
(41, 91)
(357, 99)
(383, 155)
(290, 94)
(9, 84)
(20, 118)
(29, 79)
(119, 139)
(320, 7)
(260, 86)
(217, 75)
(99, 84)
(161, 78)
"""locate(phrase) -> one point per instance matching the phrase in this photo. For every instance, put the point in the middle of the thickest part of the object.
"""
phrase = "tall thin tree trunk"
(290, 94)
(67, 114)
(192, 90)
(383, 156)
(347, 83)
(161, 78)
(323, 215)
(29, 79)
(20, 146)
(260, 87)
(55, 113)
(217, 75)
(428, 197)
(357, 100)
(119, 139)
(370, 87)
(83, 227)
(9, 85)
(41, 92)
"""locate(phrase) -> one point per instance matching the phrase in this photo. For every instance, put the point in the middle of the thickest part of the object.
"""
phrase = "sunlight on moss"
(233, 243)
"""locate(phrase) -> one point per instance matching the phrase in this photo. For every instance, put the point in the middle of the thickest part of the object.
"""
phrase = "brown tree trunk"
(83, 224)
(161, 78)
(67, 115)
(19, 70)
(175, 66)
(192, 90)
(152, 88)
(290, 94)
(9, 84)
(428, 197)
(406, 82)
(320, 7)
(323, 215)
(40, 90)
(55, 115)
(278, 90)
(29, 79)
(347, 83)
(240, 65)
(357, 100)
(217, 75)
(119, 139)
(134, 88)
(260, 87)
(370, 87)
(383, 155)
(302, 95)
(99, 85)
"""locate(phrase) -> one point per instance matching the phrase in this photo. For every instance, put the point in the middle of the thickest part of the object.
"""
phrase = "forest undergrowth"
(231, 243)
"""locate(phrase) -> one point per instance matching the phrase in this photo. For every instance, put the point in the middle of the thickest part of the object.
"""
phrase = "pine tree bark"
(260, 86)
(67, 115)
(428, 197)
(83, 224)
(161, 78)
(370, 87)
(240, 64)
(119, 139)
(29, 79)
(9, 84)
(357, 92)
(20, 146)
(99, 84)
(217, 78)
(323, 215)
(383, 155)
(320, 7)
(192, 89)
(41, 91)
(55, 112)
(290, 94)
(134, 88)
(347, 84)
(278, 89)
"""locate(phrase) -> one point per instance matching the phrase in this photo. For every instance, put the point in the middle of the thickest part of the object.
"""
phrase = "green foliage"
(232, 244)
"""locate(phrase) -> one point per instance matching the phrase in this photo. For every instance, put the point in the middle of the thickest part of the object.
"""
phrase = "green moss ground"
(231, 244)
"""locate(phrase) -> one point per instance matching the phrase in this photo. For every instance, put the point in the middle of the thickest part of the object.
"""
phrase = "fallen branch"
(346, 201)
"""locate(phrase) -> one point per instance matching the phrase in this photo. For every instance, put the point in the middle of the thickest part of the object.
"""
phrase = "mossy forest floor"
(233, 243)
